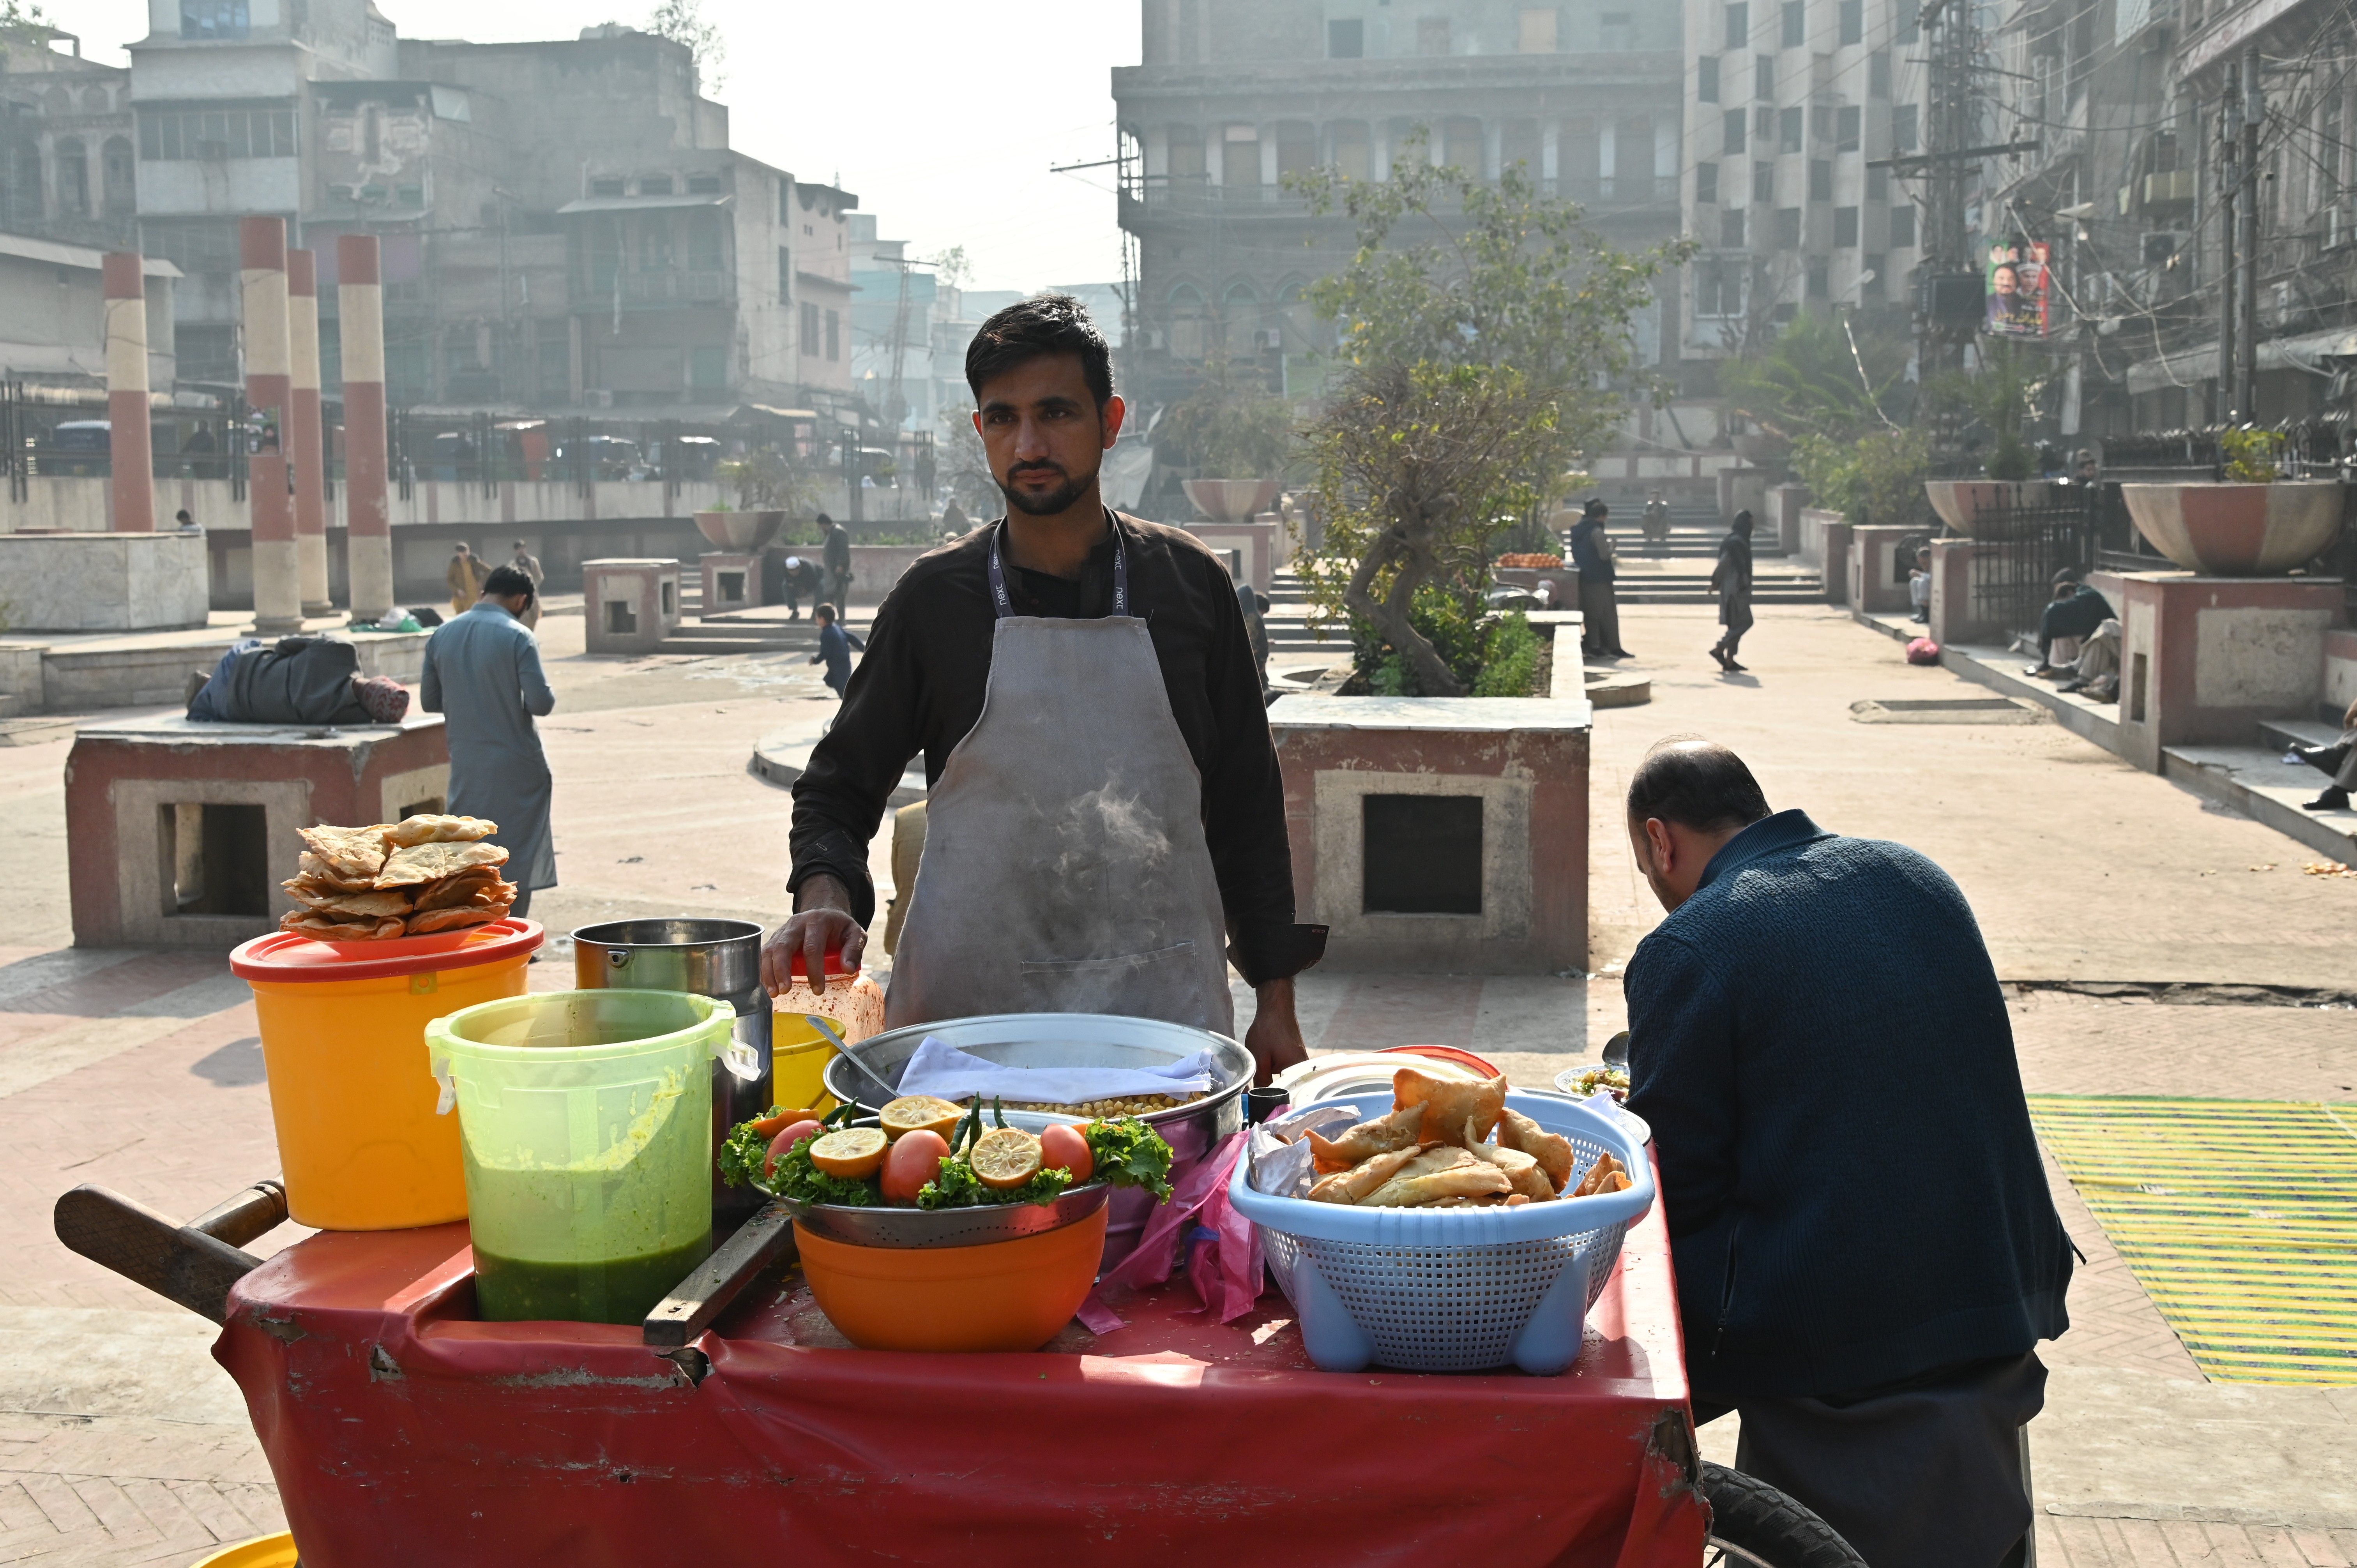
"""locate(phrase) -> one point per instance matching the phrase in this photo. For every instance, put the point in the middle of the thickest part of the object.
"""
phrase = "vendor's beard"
(1052, 501)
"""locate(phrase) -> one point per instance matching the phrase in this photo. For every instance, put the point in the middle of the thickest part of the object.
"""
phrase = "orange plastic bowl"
(1002, 1295)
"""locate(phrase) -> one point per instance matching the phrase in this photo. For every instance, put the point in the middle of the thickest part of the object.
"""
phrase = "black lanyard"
(1004, 606)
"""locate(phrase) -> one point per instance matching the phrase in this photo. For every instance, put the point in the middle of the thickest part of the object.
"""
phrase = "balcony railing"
(656, 289)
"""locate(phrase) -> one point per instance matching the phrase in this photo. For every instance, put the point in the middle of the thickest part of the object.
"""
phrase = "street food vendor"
(1106, 820)
(1867, 1251)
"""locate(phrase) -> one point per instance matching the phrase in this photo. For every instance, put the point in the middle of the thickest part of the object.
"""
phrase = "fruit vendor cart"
(736, 1426)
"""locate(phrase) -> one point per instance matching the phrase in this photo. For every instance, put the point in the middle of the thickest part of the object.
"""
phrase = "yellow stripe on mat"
(2238, 1217)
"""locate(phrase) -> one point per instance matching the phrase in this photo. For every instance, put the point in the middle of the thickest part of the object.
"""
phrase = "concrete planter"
(741, 532)
(1960, 501)
(1232, 500)
(2238, 530)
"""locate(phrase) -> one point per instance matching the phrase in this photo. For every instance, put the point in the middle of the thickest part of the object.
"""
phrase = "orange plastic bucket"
(343, 1044)
(1001, 1295)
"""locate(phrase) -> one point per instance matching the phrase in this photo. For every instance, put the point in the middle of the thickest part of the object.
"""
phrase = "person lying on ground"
(295, 681)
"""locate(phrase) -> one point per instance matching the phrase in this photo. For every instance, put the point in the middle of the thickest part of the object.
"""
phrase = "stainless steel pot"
(1079, 1040)
(720, 958)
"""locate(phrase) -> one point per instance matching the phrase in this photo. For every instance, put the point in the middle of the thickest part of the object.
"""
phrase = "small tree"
(768, 480)
(1484, 355)
(681, 21)
(2000, 398)
(963, 466)
(1227, 428)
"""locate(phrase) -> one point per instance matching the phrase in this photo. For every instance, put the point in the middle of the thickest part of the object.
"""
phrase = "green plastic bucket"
(585, 1124)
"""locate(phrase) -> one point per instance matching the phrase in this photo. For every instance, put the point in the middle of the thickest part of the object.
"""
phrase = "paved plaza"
(2158, 946)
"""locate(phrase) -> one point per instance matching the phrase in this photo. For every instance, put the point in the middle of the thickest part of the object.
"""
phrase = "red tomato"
(782, 1144)
(1062, 1147)
(916, 1158)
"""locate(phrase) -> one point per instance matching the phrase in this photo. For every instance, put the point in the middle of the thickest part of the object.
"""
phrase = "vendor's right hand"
(824, 921)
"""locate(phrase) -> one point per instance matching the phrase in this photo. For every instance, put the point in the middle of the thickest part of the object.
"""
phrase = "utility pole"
(2246, 382)
(1952, 128)
(2229, 194)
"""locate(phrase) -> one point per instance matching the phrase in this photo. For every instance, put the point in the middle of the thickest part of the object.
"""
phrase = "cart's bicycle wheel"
(1753, 1525)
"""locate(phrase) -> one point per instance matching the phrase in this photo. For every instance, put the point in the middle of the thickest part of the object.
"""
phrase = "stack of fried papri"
(1432, 1152)
(406, 879)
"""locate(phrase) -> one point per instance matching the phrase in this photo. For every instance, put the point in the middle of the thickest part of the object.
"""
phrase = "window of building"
(810, 339)
(1706, 183)
(1877, 74)
(1853, 21)
(612, 186)
(121, 187)
(1707, 80)
(1351, 155)
(1186, 155)
(1910, 25)
(212, 19)
(1346, 40)
(1796, 24)
(1432, 35)
(704, 241)
(73, 179)
(1764, 124)
(1763, 78)
(1788, 228)
(834, 335)
(785, 274)
(1718, 290)
(1538, 33)
(1460, 145)
(707, 367)
(217, 133)
(1849, 125)
(1735, 120)
(1790, 126)
(1821, 179)
(1730, 229)
(1763, 183)
(1614, 32)
(1903, 128)
(1738, 24)
(655, 185)
(1297, 147)
(1844, 228)
(1821, 278)
(1902, 228)
(703, 185)
(1518, 142)
(1240, 155)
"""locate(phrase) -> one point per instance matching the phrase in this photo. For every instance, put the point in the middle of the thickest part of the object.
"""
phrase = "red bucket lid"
(798, 968)
(290, 958)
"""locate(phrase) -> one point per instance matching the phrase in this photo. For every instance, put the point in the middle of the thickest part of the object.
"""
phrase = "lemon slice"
(912, 1112)
(1004, 1157)
(854, 1152)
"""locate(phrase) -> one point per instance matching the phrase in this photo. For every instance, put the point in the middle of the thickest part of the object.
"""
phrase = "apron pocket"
(1161, 984)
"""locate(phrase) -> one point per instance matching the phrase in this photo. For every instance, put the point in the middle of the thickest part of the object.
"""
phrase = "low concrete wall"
(102, 581)
(2203, 659)
(20, 679)
(1809, 535)
(1873, 586)
(876, 568)
(1783, 517)
(73, 682)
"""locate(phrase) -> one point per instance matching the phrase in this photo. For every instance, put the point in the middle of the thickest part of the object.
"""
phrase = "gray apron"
(1065, 868)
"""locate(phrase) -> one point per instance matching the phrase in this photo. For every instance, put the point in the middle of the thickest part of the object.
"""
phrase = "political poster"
(2016, 288)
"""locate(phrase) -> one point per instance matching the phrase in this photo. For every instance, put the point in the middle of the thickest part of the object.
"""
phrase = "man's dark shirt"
(2078, 616)
(1854, 1193)
(836, 550)
(920, 685)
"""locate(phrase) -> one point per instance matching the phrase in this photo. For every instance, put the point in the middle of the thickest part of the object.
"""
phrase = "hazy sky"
(944, 116)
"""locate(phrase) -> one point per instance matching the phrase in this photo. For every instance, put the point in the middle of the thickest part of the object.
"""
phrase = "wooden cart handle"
(193, 1264)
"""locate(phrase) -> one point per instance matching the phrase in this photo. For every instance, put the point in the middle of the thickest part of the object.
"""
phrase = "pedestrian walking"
(834, 645)
(835, 555)
(482, 674)
(1865, 1247)
(1657, 524)
(1731, 581)
(465, 580)
(1599, 611)
(525, 562)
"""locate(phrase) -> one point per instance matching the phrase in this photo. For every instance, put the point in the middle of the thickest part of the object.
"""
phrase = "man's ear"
(1111, 418)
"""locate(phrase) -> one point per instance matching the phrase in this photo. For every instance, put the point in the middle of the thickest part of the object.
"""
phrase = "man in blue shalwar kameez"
(482, 673)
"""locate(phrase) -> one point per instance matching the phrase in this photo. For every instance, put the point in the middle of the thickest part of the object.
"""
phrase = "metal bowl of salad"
(853, 1212)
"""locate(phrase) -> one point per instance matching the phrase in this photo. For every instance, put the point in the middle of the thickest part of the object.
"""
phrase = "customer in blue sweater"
(834, 646)
(1867, 1252)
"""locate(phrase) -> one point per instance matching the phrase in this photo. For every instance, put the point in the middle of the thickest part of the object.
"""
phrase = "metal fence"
(2022, 549)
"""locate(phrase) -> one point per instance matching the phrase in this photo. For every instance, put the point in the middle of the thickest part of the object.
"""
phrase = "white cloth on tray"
(952, 1074)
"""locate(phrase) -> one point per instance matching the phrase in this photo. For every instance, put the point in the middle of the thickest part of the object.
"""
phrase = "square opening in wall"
(621, 620)
(670, 598)
(1423, 855)
(732, 587)
(219, 859)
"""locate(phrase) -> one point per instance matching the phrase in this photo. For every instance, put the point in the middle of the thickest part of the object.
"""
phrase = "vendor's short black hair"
(507, 583)
(1698, 784)
(1043, 324)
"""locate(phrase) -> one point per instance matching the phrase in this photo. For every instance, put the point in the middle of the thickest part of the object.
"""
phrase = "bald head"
(1685, 801)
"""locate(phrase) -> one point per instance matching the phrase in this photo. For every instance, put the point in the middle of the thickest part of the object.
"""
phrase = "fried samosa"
(1397, 1130)
(1449, 1103)
(1552, 1150)
(1523, 1171)
(1353, 1185)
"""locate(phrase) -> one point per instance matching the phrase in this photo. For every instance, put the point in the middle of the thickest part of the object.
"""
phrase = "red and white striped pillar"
(262, 279)
(368, 524)
(129, 442)
(305, 449)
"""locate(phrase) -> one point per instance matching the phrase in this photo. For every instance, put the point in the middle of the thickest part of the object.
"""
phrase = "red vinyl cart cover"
(402, 1432)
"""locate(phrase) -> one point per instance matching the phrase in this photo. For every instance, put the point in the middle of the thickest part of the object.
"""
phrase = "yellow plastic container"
(352, 1098)
(798, 1053)
(269, 1551)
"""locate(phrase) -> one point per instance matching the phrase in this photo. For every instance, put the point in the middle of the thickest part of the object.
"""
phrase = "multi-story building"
(1233, 95)
(66, 166)
(1790, 105)
(563, 222)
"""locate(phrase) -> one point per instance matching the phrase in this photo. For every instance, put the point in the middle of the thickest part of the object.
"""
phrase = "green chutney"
(623, 1290)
